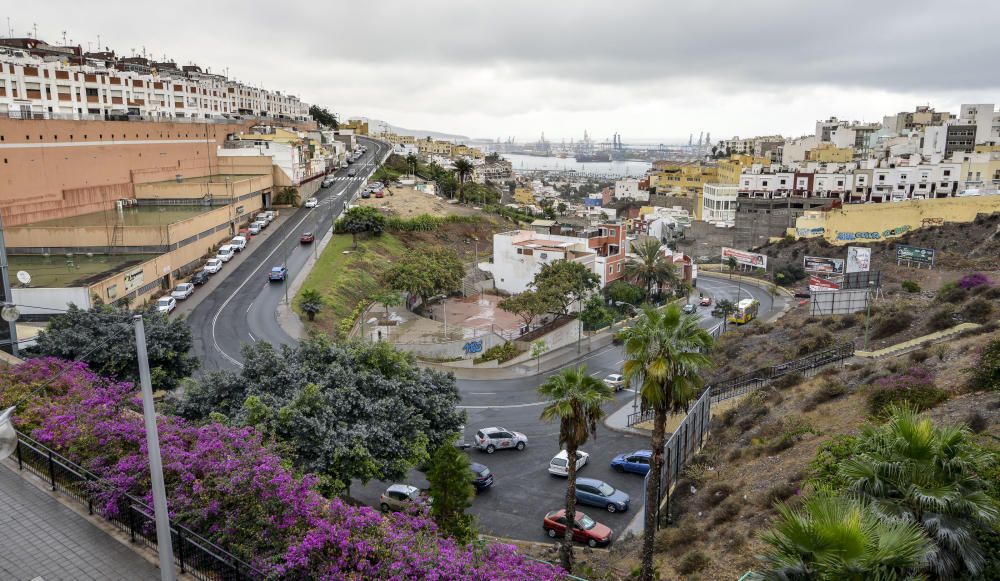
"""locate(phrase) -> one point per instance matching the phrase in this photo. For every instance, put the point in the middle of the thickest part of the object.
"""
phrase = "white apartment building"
(32, 88)
(718, 204)
(628, 189)
(986, 120)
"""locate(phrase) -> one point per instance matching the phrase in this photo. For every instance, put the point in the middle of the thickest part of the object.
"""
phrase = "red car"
(307, 238)
(706, 301)
(587, 530)
(379, 194)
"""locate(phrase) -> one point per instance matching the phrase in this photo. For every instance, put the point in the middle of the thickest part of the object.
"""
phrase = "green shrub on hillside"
(914, 386)
(910, 286)
(986, 371)
(977, 311)
(890, 322)
(500, 353)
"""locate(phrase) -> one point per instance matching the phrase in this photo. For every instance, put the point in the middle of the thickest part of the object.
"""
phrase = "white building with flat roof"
(719, 203)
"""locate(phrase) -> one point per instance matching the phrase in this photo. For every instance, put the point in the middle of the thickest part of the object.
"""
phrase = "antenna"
(64, 38)
(34, 26)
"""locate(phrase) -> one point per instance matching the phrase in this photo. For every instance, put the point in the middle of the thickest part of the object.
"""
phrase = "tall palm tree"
(726, 307)
(463, 169)
(840, 538)
(575, 399)
(411, 162)
(649, 266)
(910, 470)
(664, 351)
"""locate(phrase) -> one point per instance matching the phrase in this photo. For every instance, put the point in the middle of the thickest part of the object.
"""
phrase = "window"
(947, 172)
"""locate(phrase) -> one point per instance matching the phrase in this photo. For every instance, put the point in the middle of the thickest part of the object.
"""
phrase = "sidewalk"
(43, 539)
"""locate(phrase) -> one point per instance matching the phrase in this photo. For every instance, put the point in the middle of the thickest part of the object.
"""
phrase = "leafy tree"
(528, 305)
(426, 272)
(346, 411)
(450, 477)
(650, 267)
(538, 348)
(575, 399)
(412, 162)
(105, 334)
(731, 264)
(388, 299)
(726, 307)
(594, 314)
(621, 291)
(664, 353)
(493, 157)
(564, 282)
(562, 207)
(311, 302)
(323, 117)
(463, 169)
(839, 538)
(360, 219)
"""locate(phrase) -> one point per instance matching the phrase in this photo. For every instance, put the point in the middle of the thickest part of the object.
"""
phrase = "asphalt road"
(242, 308)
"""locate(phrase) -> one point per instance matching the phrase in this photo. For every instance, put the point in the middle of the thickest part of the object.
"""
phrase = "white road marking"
(500, 407)
(482, 393)
(249, 307)
(252, 338)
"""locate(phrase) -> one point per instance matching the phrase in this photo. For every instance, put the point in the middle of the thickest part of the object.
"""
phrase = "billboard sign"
(914, 254)
(824, 265)
(133, 280)
(817, 284)
(744, 258)
(859, 259)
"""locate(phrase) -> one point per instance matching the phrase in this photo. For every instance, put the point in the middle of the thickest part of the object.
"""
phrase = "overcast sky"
(649, 70)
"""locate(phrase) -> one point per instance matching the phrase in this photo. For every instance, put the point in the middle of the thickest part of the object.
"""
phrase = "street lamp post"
(868, 311)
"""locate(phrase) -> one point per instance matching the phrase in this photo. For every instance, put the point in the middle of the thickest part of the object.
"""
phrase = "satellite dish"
(23, 277)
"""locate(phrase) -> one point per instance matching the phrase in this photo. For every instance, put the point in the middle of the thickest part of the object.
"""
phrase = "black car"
(200, 277)
(483, 477)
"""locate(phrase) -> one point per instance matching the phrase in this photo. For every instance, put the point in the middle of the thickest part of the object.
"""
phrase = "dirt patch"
(406, 202)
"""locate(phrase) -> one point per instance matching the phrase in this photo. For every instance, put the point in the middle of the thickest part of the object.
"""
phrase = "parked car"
(689, 309)
(616, 381)
(599, 493)
(379, 194)
(491, 439)
(366, 194)
(636, 462)
(270, 216)
(399, 497)
(705, 301)
(226, 253)
(238, 243)
(585, 529)
(262, 220)
(199, 278)
(213, 266)
(482, 477)
(182, 291)
(307, 238)
(312, 202)
(559, 464)
(165, 304)
(343, 164)
(277, 273)
(255, 228)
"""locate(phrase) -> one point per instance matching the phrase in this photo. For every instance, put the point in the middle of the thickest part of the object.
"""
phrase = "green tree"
(450, 477)
(538, 348)
(664, 352)
(287, 196)
(575, 399)
(650, 266)
(311, 303)
(426, 272)
(360, 219)
(105, 335)
(412, 162)
(910, 470)
(561, 207)
(621, 291)
(463, 169)
(726, 307)
(732, 264)
(528, 305)
(986, 373)
(323, 117)
(388, 299)
(594, 314)
(832, 538)
(564, 282)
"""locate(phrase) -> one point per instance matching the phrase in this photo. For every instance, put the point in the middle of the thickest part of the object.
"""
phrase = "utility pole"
(5, 287)
(868, 311)
(163, 539)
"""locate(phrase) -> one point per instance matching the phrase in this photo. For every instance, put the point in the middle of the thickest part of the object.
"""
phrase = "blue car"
(637, 462)
(277, 273)
(600, 493)
(482, 477)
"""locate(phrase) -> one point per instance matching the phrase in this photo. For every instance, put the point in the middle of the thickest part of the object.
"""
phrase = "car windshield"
(484, 472)
(585, 522)
(606, 489)
(163, 302)
(558, 462)
(276, 269)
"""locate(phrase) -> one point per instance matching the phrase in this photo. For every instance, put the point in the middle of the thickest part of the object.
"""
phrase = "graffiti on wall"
(473, 347)
(887, 233)
(810, 232)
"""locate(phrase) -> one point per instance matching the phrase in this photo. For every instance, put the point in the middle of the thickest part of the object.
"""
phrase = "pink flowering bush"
(225, 484)
(914, 386)
(973, 280)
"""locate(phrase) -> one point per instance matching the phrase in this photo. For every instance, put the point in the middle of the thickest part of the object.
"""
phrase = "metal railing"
(194, 554)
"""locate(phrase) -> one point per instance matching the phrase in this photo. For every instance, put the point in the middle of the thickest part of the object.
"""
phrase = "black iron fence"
(194, 555)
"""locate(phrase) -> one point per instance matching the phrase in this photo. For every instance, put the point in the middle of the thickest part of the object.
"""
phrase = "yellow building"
(357, 125)
(978, 171)
(434, 147)
(987, 148)
(830, 153)
(399, 139)
(729, 170)
(683, 179)
(465, 150)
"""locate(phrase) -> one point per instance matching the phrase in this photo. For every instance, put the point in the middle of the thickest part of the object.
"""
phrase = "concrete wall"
(236, 187)
(451, 349)
(860, 223)
(50, 298)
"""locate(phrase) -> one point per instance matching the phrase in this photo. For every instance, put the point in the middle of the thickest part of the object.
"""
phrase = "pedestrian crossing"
(348, 179)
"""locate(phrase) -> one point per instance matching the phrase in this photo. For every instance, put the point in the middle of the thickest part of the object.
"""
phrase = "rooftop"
(74, 270)
(212, 179)
(128, 217)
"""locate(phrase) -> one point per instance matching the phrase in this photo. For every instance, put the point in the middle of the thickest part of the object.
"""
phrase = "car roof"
(494, 429)
(477, 467)
(564, 454)
(404, 488)
(276, 268)
(642, 453)
(614, 375)
(590, 482)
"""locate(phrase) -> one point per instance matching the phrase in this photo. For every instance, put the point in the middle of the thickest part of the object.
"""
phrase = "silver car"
(399, 497)
(490, 440)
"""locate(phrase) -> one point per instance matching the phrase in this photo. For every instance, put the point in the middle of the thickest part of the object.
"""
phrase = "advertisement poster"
(817, 284)
(744, 258)
(915, 254)
(859, 259)
(824, 265)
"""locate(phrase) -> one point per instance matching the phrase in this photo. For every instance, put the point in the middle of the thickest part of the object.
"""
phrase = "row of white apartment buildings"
(298, 156)
(34, 88)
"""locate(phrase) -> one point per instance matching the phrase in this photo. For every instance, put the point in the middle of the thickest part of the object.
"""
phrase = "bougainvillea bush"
(225, 484)
(973, 280)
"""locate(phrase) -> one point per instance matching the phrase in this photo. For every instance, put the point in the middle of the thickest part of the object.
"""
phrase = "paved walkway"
(40, 539)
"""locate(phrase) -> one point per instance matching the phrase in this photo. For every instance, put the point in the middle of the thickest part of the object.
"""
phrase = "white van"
(262, 218)
(270, 215)
(226, 253)
(238, 243)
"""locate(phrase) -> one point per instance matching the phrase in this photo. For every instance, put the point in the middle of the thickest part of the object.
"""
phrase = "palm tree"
(311, 302)
(910, 470)
(840, 538)
(649, 266)
(726, 307)
(411, 162)
(664, 351)
(575, 399)
(463, 168)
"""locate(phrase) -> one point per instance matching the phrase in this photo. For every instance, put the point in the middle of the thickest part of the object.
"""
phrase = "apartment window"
(947, 172)
(840, 182)
(881, 178)
(91, 92)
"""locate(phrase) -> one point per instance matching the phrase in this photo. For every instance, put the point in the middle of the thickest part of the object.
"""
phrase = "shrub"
(788, 380)
(920, 355)
(829, 389)
(973, 280)
(977, 422)
(716, 493)
(779, 493)
(910, 286)
(992, 293)
(500, 353)
(943, 318)
(952, 293)
(977, 311)
(692, 562)
(914, 386)
(673, 538)
(727, 510)
(986, 372)
(890, 322)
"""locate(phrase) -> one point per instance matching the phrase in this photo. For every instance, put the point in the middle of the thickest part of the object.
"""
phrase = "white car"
(262, 220)
(312, 203)
(254, 228)
(165, 304)
(270, 215)
(491, 439)
(226, 253)
(213, 266)
(615, 381)
(238, 243)
(559, 465)
(183, 291)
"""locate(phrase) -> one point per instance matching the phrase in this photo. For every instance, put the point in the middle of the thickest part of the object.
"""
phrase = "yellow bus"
(746, 311)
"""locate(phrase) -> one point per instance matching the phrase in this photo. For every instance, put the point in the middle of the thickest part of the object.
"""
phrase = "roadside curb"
(288, 320)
